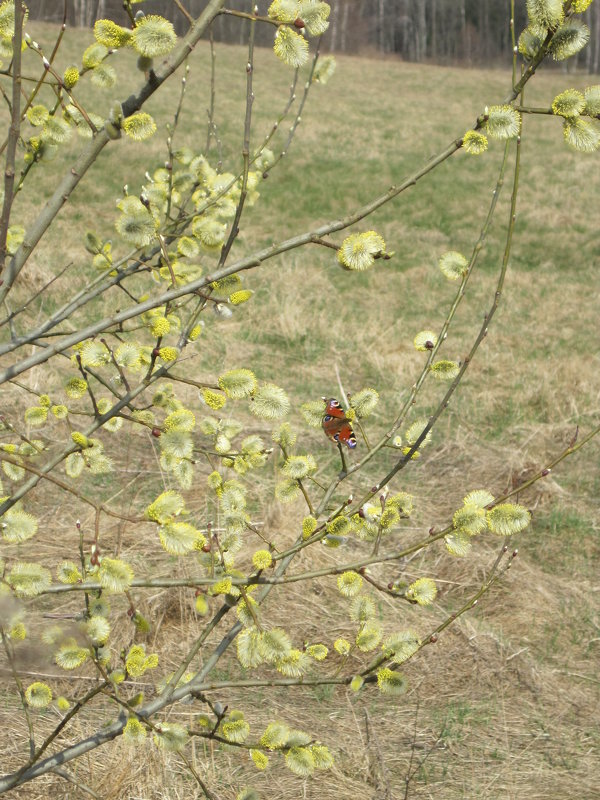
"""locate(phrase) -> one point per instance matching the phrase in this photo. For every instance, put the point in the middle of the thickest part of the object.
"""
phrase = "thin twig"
(89, 156)
(234, 230)
(13, 135)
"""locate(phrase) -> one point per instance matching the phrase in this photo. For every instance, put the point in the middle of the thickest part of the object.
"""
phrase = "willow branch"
(298, 117)
(13, 137)
(234, 231)
(402, 462)
(493, 576)
(98, 423)
(91, 153)
(98, 507)
(249, 262)
(20, 689)
(461, 291)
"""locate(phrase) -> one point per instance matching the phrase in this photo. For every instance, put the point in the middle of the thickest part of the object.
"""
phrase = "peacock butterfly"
(336, 425)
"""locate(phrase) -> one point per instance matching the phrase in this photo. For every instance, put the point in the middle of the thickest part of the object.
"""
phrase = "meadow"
(505, 704)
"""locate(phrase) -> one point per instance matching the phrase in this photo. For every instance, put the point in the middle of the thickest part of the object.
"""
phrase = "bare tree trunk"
(464, 31)
(596, 40)
(434, 29)
(421, 32)
(381, 24)
(78, 12)
(486, 44)
(87, 11)
(588, 49)
(335, 21)
(345, 14)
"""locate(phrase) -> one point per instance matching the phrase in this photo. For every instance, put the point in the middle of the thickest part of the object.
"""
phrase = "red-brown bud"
(156, 432)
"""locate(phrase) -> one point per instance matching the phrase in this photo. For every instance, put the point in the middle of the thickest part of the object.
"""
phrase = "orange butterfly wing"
(335, 424)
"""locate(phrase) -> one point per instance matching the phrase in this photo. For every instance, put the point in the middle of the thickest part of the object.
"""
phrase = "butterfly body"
(336, 425)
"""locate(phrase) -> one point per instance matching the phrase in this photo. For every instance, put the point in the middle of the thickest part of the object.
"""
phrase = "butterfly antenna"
(342, 390)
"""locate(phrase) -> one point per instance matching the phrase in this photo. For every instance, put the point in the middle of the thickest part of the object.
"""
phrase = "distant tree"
(458, 31)
(97, 357)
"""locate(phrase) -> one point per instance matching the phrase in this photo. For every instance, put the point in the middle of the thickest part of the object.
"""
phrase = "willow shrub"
(84, 378)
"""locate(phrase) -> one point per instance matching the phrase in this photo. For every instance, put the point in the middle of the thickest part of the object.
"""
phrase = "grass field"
(505, 704)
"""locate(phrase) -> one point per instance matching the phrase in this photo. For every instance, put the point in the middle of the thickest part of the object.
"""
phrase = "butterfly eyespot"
(336, 425)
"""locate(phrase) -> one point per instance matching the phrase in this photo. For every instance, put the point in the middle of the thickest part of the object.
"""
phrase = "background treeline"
(468, 32)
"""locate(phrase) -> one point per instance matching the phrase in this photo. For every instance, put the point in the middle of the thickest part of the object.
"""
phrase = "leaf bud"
(111, 130)
(95, 556)
(222, 310)
(92, 243)
(156, 432)
(116, 113)
(144, 63)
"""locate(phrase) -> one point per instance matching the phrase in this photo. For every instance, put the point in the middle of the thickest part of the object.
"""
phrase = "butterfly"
(335, 424)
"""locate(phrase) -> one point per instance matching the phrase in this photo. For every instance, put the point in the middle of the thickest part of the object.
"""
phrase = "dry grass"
(507, 699)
